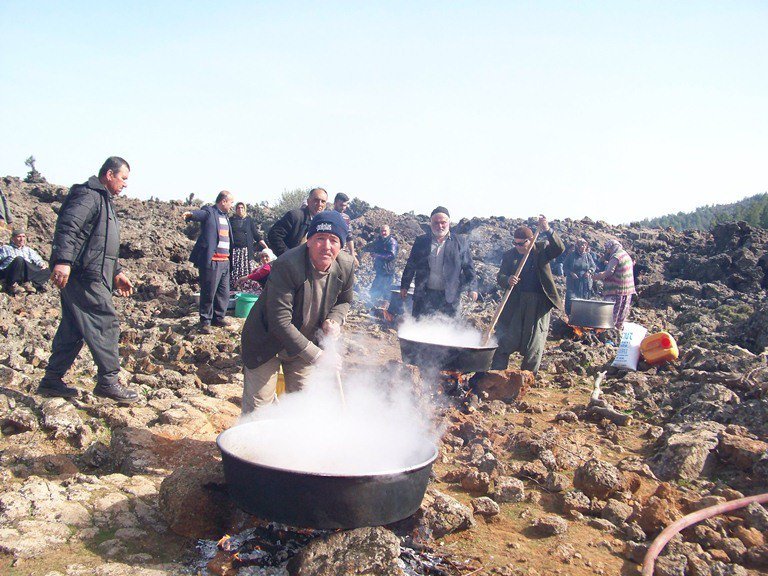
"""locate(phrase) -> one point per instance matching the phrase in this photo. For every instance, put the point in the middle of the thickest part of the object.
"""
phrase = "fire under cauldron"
(447, 358)
(320, 500)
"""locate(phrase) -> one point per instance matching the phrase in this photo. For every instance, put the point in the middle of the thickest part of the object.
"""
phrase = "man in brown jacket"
(308, 294)
(524, 322)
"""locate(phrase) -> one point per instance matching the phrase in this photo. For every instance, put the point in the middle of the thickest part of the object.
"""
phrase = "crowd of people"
(304, 272)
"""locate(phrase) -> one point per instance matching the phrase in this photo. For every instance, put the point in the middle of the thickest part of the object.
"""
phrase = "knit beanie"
(440, 210)
(331, 222)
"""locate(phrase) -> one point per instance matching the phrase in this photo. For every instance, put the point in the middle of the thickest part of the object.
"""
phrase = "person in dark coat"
(524, 321)
(86, 243)
(440, 264)
(309, 293)
(20, 264)
(245, 237)
(579, 268)
(211, 257)
(291, 229)
(6, 218)
(384, 252)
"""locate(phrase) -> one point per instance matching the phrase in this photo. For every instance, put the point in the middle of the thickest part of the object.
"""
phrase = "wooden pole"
(503, 302)
(341, 390)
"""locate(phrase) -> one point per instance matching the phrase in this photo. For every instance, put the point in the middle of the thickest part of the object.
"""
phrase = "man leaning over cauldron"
(308, 294)
(442, 266)
(524, 322)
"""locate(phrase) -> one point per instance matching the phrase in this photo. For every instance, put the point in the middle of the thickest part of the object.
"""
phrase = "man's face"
(323, 248)
(316, 201)
(116, 181)
(226, 204)
(341, 205)
(521, 244)
(384, 231)
(440, 225)
(581, 247)
(240, 210)
(20, 240)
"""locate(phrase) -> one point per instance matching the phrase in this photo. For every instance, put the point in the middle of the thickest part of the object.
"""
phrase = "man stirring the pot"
(308, 294)
(524, 322)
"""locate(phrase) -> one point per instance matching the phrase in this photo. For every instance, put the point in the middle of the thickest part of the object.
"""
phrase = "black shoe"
(221, 322)
(116, 392)
(55, 387)
(205, 329)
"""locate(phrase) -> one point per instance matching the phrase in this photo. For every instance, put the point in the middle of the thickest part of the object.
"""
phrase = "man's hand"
(123, 285)
(60, 275)
(513, 280)
(187, 215)
(472, 295)
(543, 224)
(331, 328)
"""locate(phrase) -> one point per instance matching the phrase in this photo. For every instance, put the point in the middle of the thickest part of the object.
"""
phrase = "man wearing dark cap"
(291, 229)
(86, 269)
(440, 264)
(524, 322)
(20, 264)
(308, 295)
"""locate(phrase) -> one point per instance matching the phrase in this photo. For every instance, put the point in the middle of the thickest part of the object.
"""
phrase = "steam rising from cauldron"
(383, 426)
(441, 330)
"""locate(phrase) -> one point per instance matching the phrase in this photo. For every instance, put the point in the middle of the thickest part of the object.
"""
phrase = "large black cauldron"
(442, 357)
(315, 500)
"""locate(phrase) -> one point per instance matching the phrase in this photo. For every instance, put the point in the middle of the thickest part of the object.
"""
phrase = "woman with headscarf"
(578, 269)
(618, 281)
(255, 281)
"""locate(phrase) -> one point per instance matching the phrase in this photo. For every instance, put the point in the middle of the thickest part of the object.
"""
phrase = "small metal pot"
(591, 313)
(454, 358)
(315, 500)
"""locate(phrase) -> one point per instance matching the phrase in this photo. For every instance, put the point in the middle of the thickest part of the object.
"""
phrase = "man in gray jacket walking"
(86, 244)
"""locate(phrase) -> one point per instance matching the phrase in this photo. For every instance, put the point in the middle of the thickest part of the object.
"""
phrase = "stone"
(576, 501)
(672, 565)
(20, 419)
(557, 482)
(602, 525)
(476, 481)
(508, 489)
(550, 525)
(504, 385)
(757, 556)
(756, 516)
(734, 548)
(484, 506)
(616, 512)
(61, 417)
(750, 537)
(740, 451)
(656, 514)
(724, 569)
(599, 479)
(689, 454)
(195, 503)
(633, 532)
(362, 551)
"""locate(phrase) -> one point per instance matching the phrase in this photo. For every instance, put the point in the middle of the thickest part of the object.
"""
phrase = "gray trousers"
(525, 332)
(260, 383)
(214, 291)
(87, 315)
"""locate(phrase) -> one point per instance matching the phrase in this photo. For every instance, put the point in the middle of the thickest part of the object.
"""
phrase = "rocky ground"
(538, 484)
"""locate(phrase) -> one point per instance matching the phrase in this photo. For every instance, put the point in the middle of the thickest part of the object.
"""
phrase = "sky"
(614, 110)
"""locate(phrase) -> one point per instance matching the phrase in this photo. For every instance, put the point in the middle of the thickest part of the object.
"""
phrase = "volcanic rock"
(504, 385)
(507, 489)
(484, 506)
(599, 479)
(438, 515)
(549, 525)
(372, 551)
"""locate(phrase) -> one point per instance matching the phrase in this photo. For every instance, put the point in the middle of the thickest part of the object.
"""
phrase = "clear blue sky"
(616, 110)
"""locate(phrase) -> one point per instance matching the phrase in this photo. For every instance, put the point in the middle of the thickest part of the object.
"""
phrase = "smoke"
(375, 426)
(442, 330)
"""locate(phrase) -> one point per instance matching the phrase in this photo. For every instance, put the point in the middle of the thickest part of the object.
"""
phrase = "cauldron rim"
(449, 346)
(371, 475)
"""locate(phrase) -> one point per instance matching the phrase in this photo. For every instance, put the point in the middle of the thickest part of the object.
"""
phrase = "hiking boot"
(205, 329)
(224, 322)
(14, 290)
(29, 288)
(116, 392)
(55, 387)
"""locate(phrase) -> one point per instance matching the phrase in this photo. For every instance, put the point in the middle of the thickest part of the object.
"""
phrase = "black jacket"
(87, 234)
(247, 227)
(458, 268)
(206, 243)
(288, 232)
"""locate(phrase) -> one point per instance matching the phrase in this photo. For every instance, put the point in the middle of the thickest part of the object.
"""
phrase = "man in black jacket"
(291, 229)
(211, 257)
(86, 269)
(442, 266)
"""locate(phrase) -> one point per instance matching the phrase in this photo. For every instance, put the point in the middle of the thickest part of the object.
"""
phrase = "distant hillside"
(753, 210)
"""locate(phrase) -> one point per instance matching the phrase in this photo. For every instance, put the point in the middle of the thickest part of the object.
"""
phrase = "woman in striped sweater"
(618, 281)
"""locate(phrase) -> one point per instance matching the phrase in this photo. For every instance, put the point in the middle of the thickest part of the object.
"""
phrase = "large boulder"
(598, 479)
(504, 385)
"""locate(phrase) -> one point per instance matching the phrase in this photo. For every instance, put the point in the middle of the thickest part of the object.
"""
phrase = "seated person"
(260, 274)
(20, 264)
